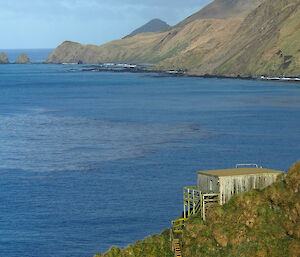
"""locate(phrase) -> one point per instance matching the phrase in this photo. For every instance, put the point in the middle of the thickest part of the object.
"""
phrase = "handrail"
(178, 225)
(172, 240)
(181, 219)
(246, 164)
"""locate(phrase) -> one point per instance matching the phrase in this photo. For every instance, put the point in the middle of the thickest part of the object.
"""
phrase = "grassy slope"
(266, 42)
(158, 245)
(153, 47)
(258, 223)
(222, 9)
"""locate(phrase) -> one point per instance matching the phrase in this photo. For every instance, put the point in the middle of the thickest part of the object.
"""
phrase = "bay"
(94, 159)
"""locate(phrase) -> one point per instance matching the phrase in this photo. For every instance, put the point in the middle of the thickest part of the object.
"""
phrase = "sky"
(26, 24)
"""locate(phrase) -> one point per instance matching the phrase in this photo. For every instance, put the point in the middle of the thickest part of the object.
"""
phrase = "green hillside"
(258, 223)
(266, 42)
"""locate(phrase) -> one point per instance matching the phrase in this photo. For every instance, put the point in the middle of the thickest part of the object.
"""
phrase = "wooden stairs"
(177, 246)
(195, 202)
(176, 235)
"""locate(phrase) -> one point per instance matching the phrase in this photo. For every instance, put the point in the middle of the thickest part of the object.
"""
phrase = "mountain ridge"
(243, 45)
(222, 9)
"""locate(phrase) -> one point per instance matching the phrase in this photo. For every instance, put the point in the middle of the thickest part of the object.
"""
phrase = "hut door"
(211, 185)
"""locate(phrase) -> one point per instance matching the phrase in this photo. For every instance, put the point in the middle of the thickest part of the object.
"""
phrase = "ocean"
(94, 159)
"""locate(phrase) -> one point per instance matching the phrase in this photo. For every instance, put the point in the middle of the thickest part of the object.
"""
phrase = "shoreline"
(182, 73)
(129, 68)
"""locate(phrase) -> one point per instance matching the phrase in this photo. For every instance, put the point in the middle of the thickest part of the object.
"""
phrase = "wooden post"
(189, 204)
(184, 202)
(194, 203)
(203, 208)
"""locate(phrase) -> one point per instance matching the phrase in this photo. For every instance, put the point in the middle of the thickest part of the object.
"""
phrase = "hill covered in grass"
(155, 47)
(258, 223)
(226, 38)
(265, 43)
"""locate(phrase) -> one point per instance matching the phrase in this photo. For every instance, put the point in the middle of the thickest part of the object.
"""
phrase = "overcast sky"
(47, 23)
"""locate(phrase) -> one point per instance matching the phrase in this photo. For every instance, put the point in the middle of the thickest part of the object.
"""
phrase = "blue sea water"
(94, 159)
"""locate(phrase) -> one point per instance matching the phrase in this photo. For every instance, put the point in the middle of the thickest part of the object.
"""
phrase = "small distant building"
(227, 182)
(218, 186)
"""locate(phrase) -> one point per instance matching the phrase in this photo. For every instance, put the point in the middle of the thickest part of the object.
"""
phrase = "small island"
(23, 59)
(3, 59)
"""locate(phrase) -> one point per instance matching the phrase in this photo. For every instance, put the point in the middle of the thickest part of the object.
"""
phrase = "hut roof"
(239, 172)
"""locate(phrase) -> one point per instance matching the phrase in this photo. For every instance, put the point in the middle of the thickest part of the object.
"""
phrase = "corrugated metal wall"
(230, 185)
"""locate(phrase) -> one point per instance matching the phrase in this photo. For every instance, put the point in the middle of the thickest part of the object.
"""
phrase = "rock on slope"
(152, 26)
(23, 59)
(258, 223)
(3, 59)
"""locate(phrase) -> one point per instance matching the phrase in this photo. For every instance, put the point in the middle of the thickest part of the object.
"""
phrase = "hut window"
(211, 185)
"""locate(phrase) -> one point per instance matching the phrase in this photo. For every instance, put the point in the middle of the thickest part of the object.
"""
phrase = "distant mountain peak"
(154, 25)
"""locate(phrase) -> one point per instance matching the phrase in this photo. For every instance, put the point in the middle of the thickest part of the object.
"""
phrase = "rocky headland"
(3, 59)
(23, 59)
(230, 38)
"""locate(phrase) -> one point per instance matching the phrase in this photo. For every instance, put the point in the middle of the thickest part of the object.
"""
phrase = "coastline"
(181, 73)
(136, 68)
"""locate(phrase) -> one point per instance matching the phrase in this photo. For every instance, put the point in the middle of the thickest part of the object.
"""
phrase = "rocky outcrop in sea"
(3, 59)
(23, 59)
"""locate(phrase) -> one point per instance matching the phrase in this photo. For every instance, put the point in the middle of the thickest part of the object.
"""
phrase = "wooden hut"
(227, 182)
(218, 186)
